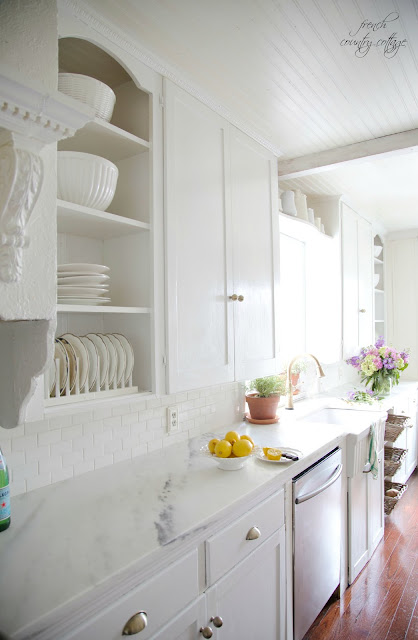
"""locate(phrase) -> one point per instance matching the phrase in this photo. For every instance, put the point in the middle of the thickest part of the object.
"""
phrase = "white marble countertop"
(70, 537)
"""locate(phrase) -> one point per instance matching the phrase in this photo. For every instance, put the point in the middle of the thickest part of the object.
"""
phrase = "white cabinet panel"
(198, 259)
(221, 190)
(357, 272)
(248, 611)
(254, 254)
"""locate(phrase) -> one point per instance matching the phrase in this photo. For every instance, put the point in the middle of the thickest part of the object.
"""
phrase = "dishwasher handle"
(327, 484)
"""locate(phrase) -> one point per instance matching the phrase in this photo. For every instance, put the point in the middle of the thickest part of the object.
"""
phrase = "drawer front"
(161, 598)
(225, 549)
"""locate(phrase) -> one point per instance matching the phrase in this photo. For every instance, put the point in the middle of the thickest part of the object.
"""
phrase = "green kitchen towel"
(374, 468)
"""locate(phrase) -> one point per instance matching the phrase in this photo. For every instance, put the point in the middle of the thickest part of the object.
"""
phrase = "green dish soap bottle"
(4, 495)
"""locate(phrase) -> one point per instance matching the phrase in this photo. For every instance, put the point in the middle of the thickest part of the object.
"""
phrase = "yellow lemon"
(272, 453)
(242, 448)
(223, 449)
(232, 436)
(245, 437)
(212, 444)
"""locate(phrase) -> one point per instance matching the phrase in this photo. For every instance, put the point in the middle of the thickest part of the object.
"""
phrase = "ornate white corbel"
(21, 173)
(30, 118)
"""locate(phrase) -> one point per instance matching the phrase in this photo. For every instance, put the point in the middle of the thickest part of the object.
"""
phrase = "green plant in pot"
(263, 395)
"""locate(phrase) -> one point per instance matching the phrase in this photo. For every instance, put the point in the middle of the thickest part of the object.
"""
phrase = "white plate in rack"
(112, 357)
(93, 360)
(129, 355)
(82, 267)
(86, 279)
(103, 355)
(82, 355)
(120, 357)
(82, 292)
(88, 301)
(72, 361)
(61, 355)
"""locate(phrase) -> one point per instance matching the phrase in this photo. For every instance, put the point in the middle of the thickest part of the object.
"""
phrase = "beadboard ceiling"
(284, 68)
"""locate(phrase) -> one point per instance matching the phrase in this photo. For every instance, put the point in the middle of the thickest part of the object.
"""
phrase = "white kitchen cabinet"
(127, 237)
(407, 406)
(357, 280)
(365, 502)
(221, 190)
(250, 599)
(187, 624)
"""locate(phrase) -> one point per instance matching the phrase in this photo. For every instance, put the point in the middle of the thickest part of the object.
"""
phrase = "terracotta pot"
(262, 408)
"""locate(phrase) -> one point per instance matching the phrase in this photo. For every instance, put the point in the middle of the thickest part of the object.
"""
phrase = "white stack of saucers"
(82, 283)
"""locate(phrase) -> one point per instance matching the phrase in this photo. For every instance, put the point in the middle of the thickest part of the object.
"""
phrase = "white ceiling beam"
(323, 160)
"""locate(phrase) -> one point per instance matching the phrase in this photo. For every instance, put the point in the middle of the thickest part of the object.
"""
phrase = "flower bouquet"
(380, 366)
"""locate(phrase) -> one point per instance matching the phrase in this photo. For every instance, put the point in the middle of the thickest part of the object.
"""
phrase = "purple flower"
(379, 342)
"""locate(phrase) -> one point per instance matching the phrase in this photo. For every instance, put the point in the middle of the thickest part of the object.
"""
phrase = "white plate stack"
(82, 283)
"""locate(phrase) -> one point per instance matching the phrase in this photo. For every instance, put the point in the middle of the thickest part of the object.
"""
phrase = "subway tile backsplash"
(63, 446)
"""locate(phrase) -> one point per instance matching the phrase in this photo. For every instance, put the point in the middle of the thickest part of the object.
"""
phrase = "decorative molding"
(42, 116)
(21, 175)
(90, 18)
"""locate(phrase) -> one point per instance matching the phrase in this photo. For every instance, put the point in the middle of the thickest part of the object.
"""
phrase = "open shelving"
(379, 290)
(119, 238)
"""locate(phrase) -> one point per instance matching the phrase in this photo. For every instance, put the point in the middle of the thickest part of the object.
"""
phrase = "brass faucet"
(321, 374)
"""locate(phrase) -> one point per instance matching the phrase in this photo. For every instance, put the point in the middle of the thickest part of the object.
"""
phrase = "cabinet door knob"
(240, 298)
(362, 310)
(233, 297)
(206, 632)
(217, 621)
(137, 623)
(253, 533)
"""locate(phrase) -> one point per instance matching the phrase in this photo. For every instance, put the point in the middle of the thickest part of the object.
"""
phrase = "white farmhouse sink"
(343, 417)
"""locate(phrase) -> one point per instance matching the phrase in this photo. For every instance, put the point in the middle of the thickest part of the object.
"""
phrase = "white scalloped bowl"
(227, 464)
(89, 91)
(86, 179)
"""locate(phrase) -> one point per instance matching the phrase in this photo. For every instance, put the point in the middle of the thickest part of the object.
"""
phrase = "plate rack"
(78, 393)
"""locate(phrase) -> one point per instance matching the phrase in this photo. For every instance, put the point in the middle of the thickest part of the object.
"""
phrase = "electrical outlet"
(172, 419)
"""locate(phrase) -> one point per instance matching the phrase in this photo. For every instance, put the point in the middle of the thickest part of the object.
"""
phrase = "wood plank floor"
(381, 604)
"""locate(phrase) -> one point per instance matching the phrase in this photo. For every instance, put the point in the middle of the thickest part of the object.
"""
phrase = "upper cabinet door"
(198, 277)
(357, 268)
(254, 198)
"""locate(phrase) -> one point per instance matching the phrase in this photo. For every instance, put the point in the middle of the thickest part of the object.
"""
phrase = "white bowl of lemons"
(231, 452)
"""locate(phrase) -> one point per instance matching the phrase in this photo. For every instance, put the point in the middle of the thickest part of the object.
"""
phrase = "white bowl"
(90, 91)
(377, 250)
(376, 279)
(85, 179)
(227, 464)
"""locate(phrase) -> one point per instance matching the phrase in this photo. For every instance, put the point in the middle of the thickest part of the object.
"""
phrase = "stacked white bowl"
(82, 283)
(86, 179)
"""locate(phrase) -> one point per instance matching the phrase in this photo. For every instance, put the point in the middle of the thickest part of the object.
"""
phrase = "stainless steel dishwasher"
(316, 539)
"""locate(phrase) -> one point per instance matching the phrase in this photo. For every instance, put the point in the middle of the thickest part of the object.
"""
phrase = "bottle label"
(2, 464)
(4, 503)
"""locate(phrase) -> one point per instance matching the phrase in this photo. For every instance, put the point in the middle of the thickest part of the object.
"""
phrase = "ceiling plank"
(325, 160)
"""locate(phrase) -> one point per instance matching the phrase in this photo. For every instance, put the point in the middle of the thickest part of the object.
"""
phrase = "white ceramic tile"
(38, 453)
(49, 437)
(16, 458)
(60, 422)
(93, 427)
(103, 461)
(112, 422)
(119, 456)
(36, 427)
(155, 444)
(51, 464)
(62, 474)
(141, 450)
(129, 418)
(83, 467)
(11, 434)
(24, 442)
(18, 487)
(101, 414)
(24, 471)
(113, 445)
(70, 433)
(85, 442)
(70, 459)
(41, 480)
(61, 447)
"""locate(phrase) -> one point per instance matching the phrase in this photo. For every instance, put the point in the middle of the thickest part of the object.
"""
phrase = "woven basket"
(391, 502)
(90, 91)
(395, 425)
(393, 459)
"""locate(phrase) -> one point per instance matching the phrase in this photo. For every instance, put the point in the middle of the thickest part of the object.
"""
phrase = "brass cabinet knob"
(137, 623)
(206, 632)
(240, 298)
(253, 533)
(217, 621)
(233, 297)
(362, 310)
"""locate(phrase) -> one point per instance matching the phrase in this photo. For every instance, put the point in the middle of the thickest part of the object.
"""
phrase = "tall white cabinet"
(357, 278)
(222, 260)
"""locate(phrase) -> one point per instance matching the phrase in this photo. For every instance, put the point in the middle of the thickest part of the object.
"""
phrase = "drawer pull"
(233, 298)
(253, 533)
(137, 623)
(217, 621)
(206, 632)
(240, 298)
